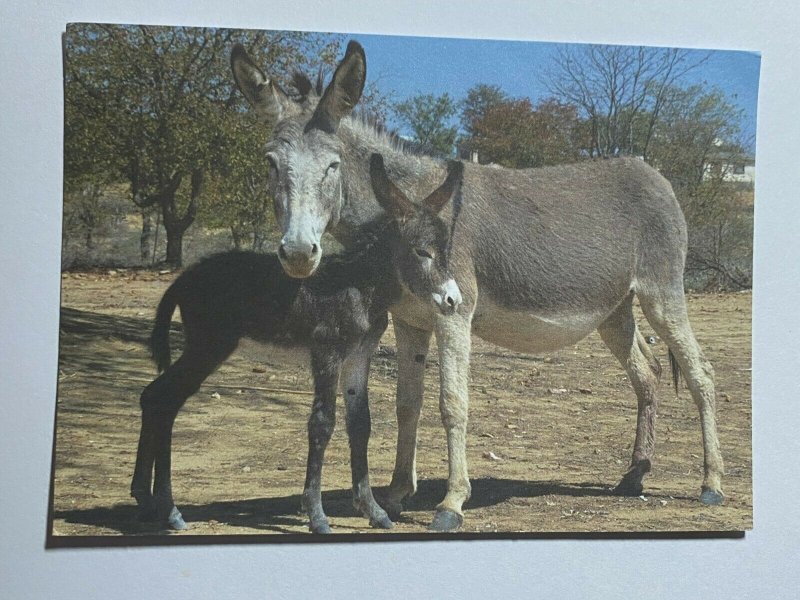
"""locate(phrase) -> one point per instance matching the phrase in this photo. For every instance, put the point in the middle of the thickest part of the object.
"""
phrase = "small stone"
(491, 456)
(246, 469)
(216, 396)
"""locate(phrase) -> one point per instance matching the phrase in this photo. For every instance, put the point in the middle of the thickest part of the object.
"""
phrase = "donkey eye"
(422, 253)
(273, 163)
(332, 167)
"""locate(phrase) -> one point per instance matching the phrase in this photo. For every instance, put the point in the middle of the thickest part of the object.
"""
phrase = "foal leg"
(667, 314)
(620, 334)
(160, 403)
(320, 428)
(453, 336)
(412, 350)
(354, 378)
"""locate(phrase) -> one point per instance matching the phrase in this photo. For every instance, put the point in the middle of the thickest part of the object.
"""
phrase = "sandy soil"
(560, 429)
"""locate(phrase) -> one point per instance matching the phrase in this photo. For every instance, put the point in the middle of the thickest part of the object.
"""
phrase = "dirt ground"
(559, 429)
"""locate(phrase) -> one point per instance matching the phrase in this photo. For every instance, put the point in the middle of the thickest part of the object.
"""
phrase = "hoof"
(320, 526)
(175, 520)
(393, 508)
(631, 485)
(381, 521)
(446, 520)
(712, 498)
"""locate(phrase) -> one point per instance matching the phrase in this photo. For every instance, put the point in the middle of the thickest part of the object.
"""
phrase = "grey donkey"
(338, 315)
(543, 257)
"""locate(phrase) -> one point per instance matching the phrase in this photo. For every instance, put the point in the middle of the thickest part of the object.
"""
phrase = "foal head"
(420, 239)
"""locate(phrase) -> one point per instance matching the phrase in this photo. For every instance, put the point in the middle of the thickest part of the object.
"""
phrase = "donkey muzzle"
(299, 258)
(448, 298)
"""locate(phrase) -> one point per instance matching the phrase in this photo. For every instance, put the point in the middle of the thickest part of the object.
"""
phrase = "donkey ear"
(263, 94)
(449, 189)
(343, 92)
(388, 194)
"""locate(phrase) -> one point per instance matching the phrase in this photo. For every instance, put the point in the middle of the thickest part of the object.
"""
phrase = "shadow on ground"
(276, 514)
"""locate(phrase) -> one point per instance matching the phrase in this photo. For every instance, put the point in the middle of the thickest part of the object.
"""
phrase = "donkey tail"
(159, 338)
(676, 371)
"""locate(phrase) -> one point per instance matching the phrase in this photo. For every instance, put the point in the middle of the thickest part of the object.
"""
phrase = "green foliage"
(152, 106)
(695, 124)
(480, 98)
(694, 143)
(427, 116)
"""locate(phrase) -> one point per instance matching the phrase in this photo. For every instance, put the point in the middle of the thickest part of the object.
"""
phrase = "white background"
(764, 562)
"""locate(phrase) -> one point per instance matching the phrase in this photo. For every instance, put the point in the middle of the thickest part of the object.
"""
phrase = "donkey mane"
(365, 121)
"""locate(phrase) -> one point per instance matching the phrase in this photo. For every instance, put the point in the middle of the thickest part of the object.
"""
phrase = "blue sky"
(410, 65)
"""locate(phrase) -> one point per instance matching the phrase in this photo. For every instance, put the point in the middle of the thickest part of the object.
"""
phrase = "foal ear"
(263, 94)
(449, 189)
(388, 194)
(343, 92)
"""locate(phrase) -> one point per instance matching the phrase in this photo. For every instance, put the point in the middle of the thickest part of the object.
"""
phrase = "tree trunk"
(146, 237)
(174, 225)
(237, 237)
(175, 246)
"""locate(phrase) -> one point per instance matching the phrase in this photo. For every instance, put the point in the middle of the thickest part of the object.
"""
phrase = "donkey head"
(420, 239)
(303, 150)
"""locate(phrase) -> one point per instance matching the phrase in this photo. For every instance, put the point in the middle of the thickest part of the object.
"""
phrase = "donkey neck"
(365, 264)
(415, 174)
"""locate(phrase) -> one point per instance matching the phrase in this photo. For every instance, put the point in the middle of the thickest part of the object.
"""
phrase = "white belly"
(525, 331)
(521, 331)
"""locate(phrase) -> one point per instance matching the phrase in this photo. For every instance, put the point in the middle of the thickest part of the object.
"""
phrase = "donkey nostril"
(282, 253)
(314, 249)
(450, 301)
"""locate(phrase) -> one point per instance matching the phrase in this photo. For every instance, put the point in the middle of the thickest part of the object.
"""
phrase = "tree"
(427, 116)
(694, 143)
(157, 99)
(619, 89)
(239, 185)
(515, 134)
(480, 98)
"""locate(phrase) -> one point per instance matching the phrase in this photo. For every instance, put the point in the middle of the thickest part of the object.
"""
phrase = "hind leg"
(160, 403)
(667, 314)
(620, 334)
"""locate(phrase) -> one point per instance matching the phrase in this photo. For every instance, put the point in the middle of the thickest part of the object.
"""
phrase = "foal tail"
(159, 338)
(676, 371)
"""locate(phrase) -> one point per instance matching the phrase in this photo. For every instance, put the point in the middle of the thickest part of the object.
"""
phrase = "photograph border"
(32, 120)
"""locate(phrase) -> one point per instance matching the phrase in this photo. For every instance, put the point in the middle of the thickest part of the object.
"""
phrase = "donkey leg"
(161, 401)
(320, 428)
(412, 350)
(620, 334)
(354, 378)
(142, 482)
(453, 336)
(668, 316)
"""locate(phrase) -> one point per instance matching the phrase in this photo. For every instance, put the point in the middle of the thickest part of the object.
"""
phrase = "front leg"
(454, 340)
(412, 350)
(325, 368)
(354, 379)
